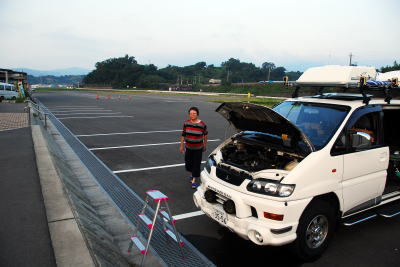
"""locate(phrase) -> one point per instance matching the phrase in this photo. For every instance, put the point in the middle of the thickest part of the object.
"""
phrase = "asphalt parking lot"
(138, 137)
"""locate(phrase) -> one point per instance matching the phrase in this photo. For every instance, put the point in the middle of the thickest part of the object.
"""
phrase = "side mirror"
(361, 140)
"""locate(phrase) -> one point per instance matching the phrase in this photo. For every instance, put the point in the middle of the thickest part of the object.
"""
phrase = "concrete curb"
(68, 243)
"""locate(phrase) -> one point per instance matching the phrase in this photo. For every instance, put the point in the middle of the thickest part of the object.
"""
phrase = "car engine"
(256, 157)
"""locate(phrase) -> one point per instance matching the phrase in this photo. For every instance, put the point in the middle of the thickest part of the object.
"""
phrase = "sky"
(295, 34)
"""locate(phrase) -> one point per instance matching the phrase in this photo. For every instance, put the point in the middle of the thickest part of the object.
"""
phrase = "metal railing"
(126, 200)
(37, 111)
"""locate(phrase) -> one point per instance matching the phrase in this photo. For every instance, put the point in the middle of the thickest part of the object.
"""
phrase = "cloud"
(57, 34)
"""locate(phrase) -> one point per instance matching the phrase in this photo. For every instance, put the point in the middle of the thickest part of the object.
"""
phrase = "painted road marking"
(152, 168)
(103, 134)
(75, 106)
(82, 110)
(188, 215)
(65, 118)
(79, 109)
(132, 146)
(109, 113)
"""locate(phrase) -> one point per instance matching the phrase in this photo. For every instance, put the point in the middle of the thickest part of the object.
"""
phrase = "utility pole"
(269, 72)
(351, 57)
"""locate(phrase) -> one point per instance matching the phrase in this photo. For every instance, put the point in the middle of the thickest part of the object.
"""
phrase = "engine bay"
(254, 156)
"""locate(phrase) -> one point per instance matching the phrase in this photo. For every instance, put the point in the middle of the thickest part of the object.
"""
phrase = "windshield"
(318, 121)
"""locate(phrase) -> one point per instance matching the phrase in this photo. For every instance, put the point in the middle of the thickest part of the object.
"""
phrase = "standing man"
(193, 143)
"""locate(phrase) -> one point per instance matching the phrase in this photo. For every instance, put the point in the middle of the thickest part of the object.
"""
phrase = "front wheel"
(315, 230)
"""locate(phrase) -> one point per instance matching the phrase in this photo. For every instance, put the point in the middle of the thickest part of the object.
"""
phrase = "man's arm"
(182, 147)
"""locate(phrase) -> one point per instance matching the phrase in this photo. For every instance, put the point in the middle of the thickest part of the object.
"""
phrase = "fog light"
(258, 236)
(229, 207)
(210, 196)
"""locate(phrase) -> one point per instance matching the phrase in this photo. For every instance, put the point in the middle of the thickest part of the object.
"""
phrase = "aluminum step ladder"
(163, 210)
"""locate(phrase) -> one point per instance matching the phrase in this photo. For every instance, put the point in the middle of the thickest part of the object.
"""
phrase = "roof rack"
(363, 85)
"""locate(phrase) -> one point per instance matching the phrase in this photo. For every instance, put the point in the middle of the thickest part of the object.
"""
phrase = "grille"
(231, 176)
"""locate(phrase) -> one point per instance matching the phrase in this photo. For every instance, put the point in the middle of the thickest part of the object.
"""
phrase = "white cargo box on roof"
(334, 75)
(388, 76)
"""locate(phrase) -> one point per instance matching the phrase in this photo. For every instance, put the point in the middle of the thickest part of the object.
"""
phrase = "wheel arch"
(331, 198)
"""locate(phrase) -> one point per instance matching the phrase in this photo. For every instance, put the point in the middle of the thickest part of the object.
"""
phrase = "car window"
(366, 124)
(317, 121)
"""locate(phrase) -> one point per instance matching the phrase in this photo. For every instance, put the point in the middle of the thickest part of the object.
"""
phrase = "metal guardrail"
(127, 201)
(42, 114)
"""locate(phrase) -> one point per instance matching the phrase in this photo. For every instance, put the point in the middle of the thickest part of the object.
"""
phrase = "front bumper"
(245, 222)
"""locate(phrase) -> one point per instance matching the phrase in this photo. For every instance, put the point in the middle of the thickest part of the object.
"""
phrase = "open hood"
(251, 117)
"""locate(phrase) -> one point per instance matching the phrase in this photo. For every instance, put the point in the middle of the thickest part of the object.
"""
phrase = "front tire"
(315, 230)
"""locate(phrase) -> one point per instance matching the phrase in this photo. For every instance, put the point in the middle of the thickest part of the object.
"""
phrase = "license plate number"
(219, 215)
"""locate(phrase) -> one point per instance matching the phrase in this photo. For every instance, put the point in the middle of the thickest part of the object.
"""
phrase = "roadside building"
(10, 76)
(215, 81)
(18, 78)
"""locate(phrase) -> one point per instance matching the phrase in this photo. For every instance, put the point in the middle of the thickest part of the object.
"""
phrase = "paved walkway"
(24, 233)
(10, 121)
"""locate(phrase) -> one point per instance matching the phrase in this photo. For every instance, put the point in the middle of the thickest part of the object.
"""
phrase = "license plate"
(219, 215)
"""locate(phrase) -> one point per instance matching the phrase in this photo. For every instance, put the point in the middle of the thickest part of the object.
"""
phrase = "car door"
(364, 167)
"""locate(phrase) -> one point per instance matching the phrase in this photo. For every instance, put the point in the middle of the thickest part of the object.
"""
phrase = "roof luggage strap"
(388, 96)
(386, 86)
(295, 93)
(363, 86)
(394, 84)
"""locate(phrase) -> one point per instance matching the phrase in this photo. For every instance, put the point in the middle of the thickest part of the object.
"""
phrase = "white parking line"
(81, 110)
(152, 168)
(132, 146)
(93, 117)
(109, 113)
(188, 215)
(74, 107)
(88, 135)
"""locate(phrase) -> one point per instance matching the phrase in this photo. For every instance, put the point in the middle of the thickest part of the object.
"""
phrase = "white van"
(292, 172)
(8, 91)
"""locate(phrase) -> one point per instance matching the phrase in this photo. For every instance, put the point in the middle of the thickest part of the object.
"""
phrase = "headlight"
(210, 162)
(270, 187)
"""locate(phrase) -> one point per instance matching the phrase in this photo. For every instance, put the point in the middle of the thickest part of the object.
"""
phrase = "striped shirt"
(194, 134)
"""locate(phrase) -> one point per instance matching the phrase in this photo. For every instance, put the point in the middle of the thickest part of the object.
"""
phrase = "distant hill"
(56, 80)
(56, 72)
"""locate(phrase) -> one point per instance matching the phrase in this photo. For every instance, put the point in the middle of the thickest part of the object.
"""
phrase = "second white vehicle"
(8, 91)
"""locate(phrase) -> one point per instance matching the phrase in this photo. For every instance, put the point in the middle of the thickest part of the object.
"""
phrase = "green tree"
(395, 66)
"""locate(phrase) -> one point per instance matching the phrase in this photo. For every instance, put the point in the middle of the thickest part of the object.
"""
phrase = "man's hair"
(195, 109)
